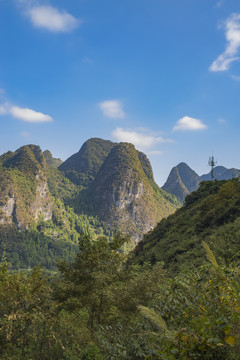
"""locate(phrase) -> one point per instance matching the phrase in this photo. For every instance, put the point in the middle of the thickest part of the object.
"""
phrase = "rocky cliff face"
(24, 193)
(122, 195)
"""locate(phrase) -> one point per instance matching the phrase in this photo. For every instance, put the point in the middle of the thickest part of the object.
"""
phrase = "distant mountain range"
(182, 180)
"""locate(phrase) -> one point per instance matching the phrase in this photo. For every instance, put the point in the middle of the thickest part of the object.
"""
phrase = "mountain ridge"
(182, 180)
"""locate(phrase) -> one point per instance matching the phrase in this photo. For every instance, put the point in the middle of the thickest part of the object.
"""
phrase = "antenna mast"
(212, 163)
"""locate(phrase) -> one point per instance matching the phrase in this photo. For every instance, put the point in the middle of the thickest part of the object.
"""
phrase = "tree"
(88, 285)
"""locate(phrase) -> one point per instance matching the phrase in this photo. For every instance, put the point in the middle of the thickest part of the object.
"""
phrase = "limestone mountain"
(24, 193)
(181, 181)
(51, 161)
(38, 225)
(125, 195)
(82, 167)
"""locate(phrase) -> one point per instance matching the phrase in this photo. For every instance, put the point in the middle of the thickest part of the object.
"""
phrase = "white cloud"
(140, 140)
(232, 28)
(24, 114)
(29, 115)
(189, 123)
(112, 109)
(52, 19)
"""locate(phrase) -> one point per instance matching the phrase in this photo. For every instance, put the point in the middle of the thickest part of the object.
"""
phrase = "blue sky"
(162, 74)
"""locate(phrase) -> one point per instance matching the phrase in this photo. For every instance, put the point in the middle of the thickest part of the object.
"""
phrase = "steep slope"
(175, 186)
(51, 161)
(24, 193)
(82, 167)
(123, 196)
(181, 181)
(211, 214)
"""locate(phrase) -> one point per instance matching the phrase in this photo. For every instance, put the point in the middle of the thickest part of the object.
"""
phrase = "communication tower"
(212, 163)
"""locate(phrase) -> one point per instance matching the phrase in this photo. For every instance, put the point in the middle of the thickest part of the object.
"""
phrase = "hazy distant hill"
(222, 173)
(182, 180)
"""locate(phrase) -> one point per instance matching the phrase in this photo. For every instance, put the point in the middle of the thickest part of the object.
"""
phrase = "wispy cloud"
(112, 109)
(188, 123)
(235, 77)
(52, 19)
(232, 34)
(140, 140)
(24, 114)
(3, 109)
(222, 121)
(25, 134)
(220, 3)
(48, 17)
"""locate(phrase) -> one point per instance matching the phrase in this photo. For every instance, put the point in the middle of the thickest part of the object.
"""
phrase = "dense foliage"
(46, 242)
(99, 307)
(212, 212)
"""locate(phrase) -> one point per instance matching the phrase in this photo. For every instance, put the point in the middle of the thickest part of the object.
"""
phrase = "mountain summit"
(123, 194)
(24, 193)
(82, 167)
(181, 181)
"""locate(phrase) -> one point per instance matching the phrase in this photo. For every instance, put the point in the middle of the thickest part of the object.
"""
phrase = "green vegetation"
(82, 167)
(46, 242)
(51, 161)
(124, 196)
(177, 296)
(101, 308)
(30, 193)
(212, 212)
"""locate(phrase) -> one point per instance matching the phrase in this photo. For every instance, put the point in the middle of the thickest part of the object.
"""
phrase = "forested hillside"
(212, 214)
(44, 209)
(38, 225)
